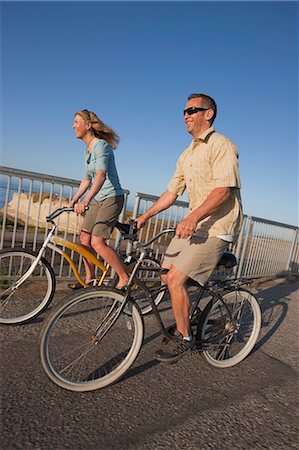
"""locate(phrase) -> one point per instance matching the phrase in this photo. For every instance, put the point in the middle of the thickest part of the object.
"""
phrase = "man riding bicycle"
(208, 170)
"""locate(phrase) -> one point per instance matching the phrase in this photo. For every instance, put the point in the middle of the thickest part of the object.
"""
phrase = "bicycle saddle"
(227, 260)
(126, 229)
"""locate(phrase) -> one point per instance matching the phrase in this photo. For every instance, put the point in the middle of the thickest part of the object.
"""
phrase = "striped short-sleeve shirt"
(211, 161)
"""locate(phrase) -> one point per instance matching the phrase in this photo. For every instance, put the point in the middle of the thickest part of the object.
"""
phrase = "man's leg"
(197, 258)
(179, 300)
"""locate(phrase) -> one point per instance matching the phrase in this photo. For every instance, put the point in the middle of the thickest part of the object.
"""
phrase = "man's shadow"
(273, 302)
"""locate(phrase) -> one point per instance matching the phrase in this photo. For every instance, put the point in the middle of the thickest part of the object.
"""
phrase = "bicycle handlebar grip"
(59, 211)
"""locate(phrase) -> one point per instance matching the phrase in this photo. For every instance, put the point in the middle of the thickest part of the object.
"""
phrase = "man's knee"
(175, 278)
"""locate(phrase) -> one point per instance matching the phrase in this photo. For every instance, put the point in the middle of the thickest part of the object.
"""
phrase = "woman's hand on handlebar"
(69, 205)
(80, 207)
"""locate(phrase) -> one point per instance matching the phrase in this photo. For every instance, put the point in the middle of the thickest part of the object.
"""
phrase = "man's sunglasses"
(194, 110)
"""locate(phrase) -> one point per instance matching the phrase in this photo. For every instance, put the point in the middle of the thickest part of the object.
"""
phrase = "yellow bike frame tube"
(74, 269)
(78, 248)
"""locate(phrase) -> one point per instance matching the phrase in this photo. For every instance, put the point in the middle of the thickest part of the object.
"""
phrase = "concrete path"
(189, 405)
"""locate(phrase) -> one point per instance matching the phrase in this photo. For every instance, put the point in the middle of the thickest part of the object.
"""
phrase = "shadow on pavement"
(274, 306)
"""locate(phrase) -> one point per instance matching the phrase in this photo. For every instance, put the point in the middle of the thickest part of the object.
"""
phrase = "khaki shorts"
(102, 216)
(196, 257)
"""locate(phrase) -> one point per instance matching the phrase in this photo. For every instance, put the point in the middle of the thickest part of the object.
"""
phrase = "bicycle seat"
(124, 228)
(228, 260)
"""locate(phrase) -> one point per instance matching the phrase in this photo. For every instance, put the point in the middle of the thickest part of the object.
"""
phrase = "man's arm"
(163, 202)
(214, 200)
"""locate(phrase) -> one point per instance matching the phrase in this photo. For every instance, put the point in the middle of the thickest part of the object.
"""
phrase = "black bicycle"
(93, 337)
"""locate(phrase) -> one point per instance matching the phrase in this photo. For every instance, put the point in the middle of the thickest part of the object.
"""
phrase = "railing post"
(134, 216)
(239, 244)
(136, 206)
(292, 251)
(244, 248)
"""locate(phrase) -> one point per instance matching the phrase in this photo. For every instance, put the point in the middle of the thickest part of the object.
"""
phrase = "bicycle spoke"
(86, 343)
(231, 328)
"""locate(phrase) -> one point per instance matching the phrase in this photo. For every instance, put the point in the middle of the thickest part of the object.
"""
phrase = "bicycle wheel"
(230, 328)
(86, 344)
(33, 295)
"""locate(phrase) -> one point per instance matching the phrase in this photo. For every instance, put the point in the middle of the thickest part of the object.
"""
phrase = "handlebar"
(129, 231)
(59, 211)
(166, 230)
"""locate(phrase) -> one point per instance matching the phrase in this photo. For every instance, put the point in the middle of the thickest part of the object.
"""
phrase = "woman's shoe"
(76, 286)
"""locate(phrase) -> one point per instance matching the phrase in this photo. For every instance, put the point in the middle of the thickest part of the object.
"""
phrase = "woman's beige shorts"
(102, 216)
(196, 257)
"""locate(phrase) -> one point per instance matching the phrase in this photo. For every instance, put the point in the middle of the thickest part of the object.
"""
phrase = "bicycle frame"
(52, 242)
(127, 298)
(214, 292)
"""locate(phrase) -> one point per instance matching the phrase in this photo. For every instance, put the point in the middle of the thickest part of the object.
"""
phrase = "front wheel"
(229, 328)
(22, 302)
(88, 342)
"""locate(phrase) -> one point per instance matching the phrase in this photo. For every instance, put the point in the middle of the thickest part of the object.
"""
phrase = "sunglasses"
(194, 110)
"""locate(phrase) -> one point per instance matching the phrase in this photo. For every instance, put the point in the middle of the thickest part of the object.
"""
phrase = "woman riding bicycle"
(104, 198)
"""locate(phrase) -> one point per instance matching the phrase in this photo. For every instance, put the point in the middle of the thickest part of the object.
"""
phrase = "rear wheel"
(24, 302)
(230, 328)
(87, 343)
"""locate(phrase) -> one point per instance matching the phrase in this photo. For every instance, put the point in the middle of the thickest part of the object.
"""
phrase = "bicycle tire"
(230, 330)
(150, 279)
(72, 354)
(33, 296)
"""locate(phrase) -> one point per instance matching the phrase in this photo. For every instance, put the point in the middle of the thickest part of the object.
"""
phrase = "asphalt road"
(188, 405)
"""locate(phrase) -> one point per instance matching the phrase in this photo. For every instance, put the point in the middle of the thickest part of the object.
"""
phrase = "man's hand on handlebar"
(140, 222)
(185, 228)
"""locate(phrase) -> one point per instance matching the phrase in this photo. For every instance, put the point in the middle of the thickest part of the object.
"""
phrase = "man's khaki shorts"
(102, 216)
(196, 257)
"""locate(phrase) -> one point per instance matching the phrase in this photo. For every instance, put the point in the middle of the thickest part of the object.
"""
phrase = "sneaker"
(173, 354)
(173, 335)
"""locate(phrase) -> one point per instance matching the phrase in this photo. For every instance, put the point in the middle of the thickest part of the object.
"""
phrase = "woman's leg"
(85, 239)
(111, 257)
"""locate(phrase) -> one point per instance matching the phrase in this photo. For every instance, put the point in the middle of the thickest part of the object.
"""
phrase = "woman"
(104, 198)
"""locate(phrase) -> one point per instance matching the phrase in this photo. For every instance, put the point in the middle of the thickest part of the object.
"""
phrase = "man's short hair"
(208, 102)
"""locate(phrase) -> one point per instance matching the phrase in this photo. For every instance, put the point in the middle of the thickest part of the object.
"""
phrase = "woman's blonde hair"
(99, 128)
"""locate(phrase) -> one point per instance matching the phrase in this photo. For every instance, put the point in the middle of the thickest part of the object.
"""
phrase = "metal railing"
(264, 248)
(26, 198)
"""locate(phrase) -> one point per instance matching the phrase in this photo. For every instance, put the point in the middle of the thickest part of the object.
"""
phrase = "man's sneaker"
(173, 354)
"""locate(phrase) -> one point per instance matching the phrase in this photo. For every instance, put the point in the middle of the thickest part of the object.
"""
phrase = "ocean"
(65, 191)
(25, 186)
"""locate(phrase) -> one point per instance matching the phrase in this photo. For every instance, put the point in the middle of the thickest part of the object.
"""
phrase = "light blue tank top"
(102, 157)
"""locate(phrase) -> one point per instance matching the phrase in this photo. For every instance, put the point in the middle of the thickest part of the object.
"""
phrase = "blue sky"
(134, 64)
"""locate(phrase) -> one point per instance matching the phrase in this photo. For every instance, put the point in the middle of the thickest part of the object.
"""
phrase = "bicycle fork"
(31, 269)
(109, 320)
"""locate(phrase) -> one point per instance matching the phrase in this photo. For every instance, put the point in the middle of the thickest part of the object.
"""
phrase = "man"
(208, 170)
